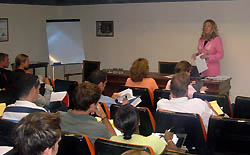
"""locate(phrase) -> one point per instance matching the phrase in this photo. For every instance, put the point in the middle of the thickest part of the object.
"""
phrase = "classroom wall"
(168, 32)
(157, 31)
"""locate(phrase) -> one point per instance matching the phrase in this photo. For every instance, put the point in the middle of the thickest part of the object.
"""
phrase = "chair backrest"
(174, 152)
(228, 135)
(166, 67)
(106, 147)
(6, 128)
(8, 97)
(105, 109)
(183, 123)
(64, 85)
(242, 107)
(75, 144)
(159, 94)
(88, 67)
(222, 100)
(144, 95)
(147, 121)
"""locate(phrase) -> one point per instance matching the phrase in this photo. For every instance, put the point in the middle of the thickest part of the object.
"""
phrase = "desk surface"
(117, 79)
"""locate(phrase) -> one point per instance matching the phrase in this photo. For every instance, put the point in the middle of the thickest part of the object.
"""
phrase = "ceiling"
(87, 2)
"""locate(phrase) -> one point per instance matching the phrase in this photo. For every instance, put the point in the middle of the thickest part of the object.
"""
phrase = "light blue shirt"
(107, 100)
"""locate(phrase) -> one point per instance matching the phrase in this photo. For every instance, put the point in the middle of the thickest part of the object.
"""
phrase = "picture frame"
(104, 28)
(4, 32)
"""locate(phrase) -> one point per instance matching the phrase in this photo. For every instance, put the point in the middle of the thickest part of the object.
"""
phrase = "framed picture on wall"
(4, 34)
(104, 28)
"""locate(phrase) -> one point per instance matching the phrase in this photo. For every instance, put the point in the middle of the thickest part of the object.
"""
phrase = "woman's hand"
(194, 56)
(204, 56)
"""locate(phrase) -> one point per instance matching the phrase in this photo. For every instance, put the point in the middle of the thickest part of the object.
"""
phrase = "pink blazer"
(215, 52)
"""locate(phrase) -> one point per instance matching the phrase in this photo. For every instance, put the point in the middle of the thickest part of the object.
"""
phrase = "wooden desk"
(116, 80)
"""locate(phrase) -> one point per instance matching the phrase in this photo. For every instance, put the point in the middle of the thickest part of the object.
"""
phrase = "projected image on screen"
(65, 43)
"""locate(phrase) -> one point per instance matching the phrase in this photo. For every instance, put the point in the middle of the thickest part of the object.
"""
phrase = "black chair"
(159, 94)
(228, 136)
(75, 144)
(8, 97)
(222, 100)
(147, 122)
(113, 109)
(242, 107)
(6, 128)
(88, 67)
(183, 123)
(69, 86)
(56, 106)
(166, 67)
(144, 95)
(108, 147)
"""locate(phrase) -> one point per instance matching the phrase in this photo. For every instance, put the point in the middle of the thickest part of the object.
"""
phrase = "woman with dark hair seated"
(127, 121)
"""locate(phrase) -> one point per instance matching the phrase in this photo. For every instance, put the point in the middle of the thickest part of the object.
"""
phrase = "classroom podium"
(118, 79)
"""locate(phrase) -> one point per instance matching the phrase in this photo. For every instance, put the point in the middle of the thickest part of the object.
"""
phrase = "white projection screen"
(65, 44)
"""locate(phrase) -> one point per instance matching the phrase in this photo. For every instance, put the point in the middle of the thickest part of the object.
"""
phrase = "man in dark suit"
(5, 75)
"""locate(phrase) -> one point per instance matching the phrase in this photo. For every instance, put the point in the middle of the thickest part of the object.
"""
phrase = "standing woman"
(210, 47)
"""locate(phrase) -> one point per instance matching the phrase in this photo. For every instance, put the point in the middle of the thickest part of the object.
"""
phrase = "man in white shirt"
(179, 101)
(27, 88)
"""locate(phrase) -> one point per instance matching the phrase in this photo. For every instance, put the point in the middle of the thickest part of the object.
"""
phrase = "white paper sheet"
(57, 96)
(201, 64)
(5, 149)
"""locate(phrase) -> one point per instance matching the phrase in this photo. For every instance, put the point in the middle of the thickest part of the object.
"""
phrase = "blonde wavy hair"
(139, 70)
(214, 33)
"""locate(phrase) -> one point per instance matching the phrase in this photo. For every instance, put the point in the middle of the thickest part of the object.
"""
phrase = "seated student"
(38, 133)
(44, 100)
(186, 67)
(127, 121)
(21, 67)
(138, 76)
(79, 121)
(27, 88)
(179, 101)
(100, 79)
(5, 75)
(7, 91)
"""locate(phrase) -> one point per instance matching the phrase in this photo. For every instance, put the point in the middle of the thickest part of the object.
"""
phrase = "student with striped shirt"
(27, 89)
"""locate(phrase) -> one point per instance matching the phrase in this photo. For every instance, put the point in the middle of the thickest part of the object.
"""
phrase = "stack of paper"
(219, 78)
